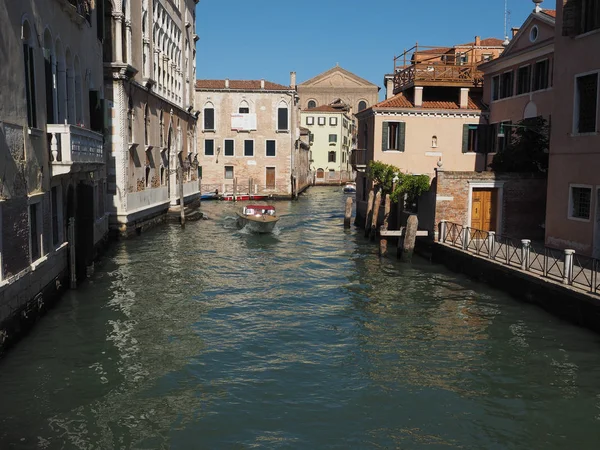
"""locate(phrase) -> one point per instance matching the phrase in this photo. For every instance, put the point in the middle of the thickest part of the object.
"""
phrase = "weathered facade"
(331, 139)
(52, 162)
(249, 131)
(338, 84)
(149, 69)
(573, 213)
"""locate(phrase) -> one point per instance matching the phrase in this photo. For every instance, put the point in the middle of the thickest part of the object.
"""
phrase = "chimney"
(293, 80)
(477, 41)
(418, 96)
(262, 83)
(226, 83)
(464, 98)
(514, 30)
(389, 87)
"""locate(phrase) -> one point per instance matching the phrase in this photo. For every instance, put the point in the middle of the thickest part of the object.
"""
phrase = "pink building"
(573, 212)
(518, 85)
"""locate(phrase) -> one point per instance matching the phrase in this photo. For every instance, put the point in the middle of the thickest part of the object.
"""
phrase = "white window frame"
(225, 147)
(209, 105)
(225, 172)
(310, 120)
(283, 105)
(38, 200)
(576, 103)
(274, 141)
(570, 204)
(322, 120)
(253, 148)
(333, 121)
(204, 149)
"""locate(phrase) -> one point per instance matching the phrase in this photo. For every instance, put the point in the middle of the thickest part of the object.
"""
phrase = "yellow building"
(330, 129)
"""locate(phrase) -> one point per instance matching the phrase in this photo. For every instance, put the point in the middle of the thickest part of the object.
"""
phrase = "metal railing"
(565, 266)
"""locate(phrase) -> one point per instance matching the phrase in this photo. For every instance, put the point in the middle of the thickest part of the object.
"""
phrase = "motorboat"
(242, 197)
(257, 218)
(350, 188)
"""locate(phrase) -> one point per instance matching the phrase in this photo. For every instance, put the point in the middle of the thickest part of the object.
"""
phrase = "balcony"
(73, 149)
(358, 160)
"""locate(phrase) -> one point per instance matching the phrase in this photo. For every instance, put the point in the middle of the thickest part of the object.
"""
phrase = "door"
(483, 209)
(270, 177)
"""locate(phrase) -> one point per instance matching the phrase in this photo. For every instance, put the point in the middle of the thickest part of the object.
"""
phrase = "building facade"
(149, 63)
(52, 162)
(573, 211)
(338, 84)
(518, 84)
(330, 128)
(249, 133)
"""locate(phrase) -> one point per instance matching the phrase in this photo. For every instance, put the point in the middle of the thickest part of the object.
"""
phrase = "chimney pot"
(293, 80)
(262, 83)
(226, 83)
(514, 30)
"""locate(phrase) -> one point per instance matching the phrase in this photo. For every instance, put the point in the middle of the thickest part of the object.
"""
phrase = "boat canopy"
(259, 209)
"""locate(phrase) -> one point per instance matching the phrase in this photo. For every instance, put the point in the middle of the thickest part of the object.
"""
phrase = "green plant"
(406, 186)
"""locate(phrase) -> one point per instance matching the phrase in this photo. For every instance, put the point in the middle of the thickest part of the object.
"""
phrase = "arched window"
(61, 83)
(209, 117)
(282, 117)
(50, 77)
(162, 130)
(70, 87)
(434, 141)
(312, 104)
(320, 173)
(130, 120)
(244, 107)
(78, 106)
(146, 125)
(29, 62)
(362, 105)
(331, 157)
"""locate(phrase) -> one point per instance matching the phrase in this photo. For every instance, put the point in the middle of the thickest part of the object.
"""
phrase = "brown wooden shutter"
(571, 17)
(401, 136)
(465, 139)
(385, 130)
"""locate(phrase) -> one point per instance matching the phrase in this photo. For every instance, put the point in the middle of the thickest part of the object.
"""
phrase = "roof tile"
(246, 85)
(401, 102)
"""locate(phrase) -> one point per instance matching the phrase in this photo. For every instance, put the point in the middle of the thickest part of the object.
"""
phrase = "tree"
(409, 186)
(527, 150)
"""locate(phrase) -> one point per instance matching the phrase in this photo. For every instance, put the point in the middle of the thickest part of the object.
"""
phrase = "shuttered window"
(393, 136)
(470, 138)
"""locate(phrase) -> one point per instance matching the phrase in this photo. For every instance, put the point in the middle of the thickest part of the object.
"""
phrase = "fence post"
(491, 241)
(568, 268)
(465, 242)
(442, 236)
(525, 244)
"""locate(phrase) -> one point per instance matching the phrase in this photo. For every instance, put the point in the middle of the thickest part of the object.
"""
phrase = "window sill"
(209, 131)
(588, 33)
(392, 151)
(282, 131)
(578, 219)
(593, 133)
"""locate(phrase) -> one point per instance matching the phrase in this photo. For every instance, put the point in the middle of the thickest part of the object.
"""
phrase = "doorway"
(270, 177)
(484, 207)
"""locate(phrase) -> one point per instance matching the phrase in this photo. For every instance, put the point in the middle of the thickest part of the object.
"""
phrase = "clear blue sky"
(242, 39)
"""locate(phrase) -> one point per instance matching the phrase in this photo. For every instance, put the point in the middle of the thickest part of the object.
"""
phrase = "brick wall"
(523, 200)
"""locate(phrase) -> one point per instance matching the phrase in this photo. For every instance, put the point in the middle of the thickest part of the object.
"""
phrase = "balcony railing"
(358, 159)
(72, 146)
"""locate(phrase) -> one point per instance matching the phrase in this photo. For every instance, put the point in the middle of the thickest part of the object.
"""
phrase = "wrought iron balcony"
(73, 148)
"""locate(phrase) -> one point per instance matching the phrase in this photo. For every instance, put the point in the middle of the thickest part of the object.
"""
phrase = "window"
(248, 147)
(523, 80)
(362, 105)
(209, 147)
(130, 113)
(580, 200)
(321, 120)
(29, 62)
(393, 136)
(470, 132)
(501, 141)
(229, 172)
(586, 103)
(534, 33)
(312, 104)
(310, 120)
(506, 85)
(540, 75)
(331, 157)
(55, 221)
(146, 124)
(282, 119)
(333, 121)
(462, 58)
(209, 119)
(229, 147)
(433, 141)
(270, 148)
(591, 15)
(487, 57)
(244, 110)
(332, 139)
(496, 87)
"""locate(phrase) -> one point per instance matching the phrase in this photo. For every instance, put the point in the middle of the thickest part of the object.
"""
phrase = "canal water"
(211, 338)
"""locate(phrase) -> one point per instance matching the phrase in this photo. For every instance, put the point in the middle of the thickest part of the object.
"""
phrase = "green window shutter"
(401, 136)
(465, 139)
(384, 136)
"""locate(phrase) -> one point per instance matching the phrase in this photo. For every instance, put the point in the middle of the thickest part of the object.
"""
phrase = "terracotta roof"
(246, 85)
(400, 101)
(439, 50)
(325, 108)
(489, 42)
(550, 12)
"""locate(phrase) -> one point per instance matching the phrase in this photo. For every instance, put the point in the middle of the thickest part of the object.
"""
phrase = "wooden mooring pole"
(369, 211)
(410, 237)
(181, 205)
(386, 216)
(375, 215)
(348, 213)
(234, 188)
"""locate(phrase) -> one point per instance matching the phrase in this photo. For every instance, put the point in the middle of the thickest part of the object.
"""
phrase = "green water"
(211, 338)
